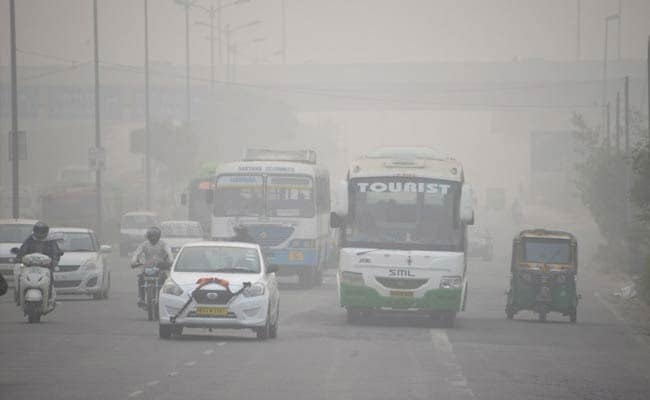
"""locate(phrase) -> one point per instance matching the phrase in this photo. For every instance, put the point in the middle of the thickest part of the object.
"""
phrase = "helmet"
(153, 234)
(40, 230)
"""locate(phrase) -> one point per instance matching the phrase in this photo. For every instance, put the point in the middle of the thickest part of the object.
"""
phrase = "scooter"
(34, 284)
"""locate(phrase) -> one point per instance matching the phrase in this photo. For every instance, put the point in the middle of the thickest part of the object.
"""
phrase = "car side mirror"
(14, 250)
(104, 249)
(272, 268)
(184, 199)
(336, 221)
(209, 196)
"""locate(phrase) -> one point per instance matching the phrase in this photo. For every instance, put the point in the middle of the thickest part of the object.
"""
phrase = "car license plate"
(296, 256)
(212, 311)
(400, 293)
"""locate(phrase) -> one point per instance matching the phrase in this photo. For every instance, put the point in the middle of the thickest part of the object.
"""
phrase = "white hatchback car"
(220, 285)
(83, 268)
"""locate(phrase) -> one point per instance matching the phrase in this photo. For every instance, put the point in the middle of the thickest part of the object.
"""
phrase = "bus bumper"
(432, 300)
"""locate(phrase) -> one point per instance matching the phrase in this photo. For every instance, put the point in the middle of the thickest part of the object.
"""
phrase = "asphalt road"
(107, 349)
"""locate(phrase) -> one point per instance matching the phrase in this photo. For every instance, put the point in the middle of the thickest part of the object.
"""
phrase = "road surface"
(107, 349)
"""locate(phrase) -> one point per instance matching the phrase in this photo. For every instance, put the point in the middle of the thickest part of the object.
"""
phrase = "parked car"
(133, 228)
(481, 244)
(179, 233)
(220, 285)
(13, 233)
(83, 268)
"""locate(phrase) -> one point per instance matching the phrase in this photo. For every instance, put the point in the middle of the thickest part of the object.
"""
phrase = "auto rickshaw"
(543, 269)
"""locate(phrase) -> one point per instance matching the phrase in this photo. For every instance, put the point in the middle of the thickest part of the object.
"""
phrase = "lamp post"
(15, 204)
(608, 19)
(98, 141)
(231, 49)
(147, 132)
(188, 106)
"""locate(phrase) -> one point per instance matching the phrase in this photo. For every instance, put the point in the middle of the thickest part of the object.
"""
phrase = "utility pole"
(147, 132)
(227, 52)
(578, 29)
(607, 130)
(284, 31)
(608, 19)
(212, 12)
(219, 30)
(618, 31)
(98, 142)
(15, 205)
(188, 98)
(626, 116)
(618, 124)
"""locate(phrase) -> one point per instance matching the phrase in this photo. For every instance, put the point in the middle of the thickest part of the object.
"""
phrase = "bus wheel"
(353, 315)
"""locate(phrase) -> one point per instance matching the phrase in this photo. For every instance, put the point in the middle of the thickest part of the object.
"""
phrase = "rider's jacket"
(48, 247)
(148, 253)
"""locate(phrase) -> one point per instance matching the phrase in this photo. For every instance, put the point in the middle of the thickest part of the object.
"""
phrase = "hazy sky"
(332, 31)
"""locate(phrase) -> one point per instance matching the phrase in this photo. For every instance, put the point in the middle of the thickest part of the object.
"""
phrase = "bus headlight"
(451, 282)
(352, 278)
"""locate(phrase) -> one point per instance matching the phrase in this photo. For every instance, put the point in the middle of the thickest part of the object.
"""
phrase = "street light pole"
(147, 132)
(212, 12)
(15, 205)
(604, 100)
(98, 142)
(578, 29)
(284, 31)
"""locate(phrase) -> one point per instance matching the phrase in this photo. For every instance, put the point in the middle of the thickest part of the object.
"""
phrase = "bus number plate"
(400, 293)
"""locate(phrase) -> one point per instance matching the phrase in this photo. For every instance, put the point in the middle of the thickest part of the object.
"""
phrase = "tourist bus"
(403, 213)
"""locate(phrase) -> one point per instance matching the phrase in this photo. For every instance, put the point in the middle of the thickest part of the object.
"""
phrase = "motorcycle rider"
(38, 242)
(151, 251)
(242, 235)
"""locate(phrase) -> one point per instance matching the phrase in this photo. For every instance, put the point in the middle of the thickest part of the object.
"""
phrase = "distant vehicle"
(403, 214)
(480, 244)
(543, 269)
(83, 268)
(283, 199)
(133, 228)
(178, 233)
(13, 233)
(198, 208)
(220, 285)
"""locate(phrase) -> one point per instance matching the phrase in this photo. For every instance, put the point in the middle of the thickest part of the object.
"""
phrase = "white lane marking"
(638, 338)
(173, 373)
(441, 342)
(152, 383)
(208, 352)
(136, 393)
(190, 363)
(221, 344)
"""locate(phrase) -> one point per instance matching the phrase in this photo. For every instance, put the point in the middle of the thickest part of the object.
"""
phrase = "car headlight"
(171, 287)
(352, 278)
(254, 290)
(451, 282)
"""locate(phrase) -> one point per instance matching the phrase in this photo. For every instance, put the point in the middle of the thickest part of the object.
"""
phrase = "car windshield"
(15, 233)
(417, 214)
(138, 221)
(75, 241)
(224, 259)
(547, 251)
(181, 230)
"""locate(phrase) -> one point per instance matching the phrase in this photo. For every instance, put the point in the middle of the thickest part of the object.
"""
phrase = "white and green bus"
(403, 214)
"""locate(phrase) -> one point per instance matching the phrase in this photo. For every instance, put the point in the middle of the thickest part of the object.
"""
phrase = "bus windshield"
(404, 213)
(258, 196)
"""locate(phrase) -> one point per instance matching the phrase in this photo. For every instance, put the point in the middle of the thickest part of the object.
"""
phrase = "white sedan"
(220, 285)
(83, 268)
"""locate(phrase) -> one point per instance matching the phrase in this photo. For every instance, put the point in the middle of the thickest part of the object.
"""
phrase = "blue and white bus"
(283, 199)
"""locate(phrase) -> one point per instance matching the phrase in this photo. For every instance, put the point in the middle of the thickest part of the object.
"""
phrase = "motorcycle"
(34, 284)
(153, 277)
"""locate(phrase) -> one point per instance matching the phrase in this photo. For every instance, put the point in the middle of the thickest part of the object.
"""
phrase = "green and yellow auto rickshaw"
(544, 267)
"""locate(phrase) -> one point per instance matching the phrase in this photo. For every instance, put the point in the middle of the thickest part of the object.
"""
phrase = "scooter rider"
(152, 250)
(38, 242)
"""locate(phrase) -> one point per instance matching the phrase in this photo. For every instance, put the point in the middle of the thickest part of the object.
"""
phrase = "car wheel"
(165, 331)
(273, 334)
(264, 332)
